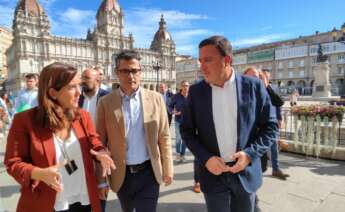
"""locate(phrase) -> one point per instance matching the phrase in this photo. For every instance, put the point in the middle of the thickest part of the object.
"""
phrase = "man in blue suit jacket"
(228, 124)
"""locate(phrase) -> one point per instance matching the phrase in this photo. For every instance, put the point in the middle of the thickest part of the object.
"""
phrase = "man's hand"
(216, 165)
(104, 158)
(242, 162)
(167, 180)
(103, 193)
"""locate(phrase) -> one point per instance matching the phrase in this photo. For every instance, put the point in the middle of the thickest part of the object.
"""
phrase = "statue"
(321, 58)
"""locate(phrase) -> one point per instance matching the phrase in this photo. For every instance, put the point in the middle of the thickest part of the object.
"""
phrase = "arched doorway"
(301, 87)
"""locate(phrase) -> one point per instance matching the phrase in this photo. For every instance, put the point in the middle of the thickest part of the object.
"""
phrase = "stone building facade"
(293, 61)
(35, 47)
(5, 43)
(187, 68)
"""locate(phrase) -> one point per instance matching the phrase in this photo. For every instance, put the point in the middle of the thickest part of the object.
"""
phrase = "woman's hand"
(49, 176)
(104, 158)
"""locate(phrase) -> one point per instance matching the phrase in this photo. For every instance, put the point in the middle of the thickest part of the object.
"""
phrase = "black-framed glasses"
(126, 71)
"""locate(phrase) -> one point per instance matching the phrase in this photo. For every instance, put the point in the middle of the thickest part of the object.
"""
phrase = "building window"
(301, 73)
(314, 60)
(280, 65)
(301, 63)
(341, 70)
(290, 74)
(341, 58)
(290, 64)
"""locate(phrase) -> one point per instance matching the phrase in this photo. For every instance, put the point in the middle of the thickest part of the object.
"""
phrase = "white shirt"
(74, 185)
(90, 105)
(224, 106)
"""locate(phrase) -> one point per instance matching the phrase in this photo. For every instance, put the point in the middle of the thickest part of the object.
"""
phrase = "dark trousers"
(103, 205)
(169, 118)
(196, 171)
(139, 191)
(77, 207)
(230, 196)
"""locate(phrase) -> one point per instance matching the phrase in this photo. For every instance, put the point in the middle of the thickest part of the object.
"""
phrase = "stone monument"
(322, 86)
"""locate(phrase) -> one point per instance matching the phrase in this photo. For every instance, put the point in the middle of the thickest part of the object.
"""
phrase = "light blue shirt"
(134, 128)
(26, 97)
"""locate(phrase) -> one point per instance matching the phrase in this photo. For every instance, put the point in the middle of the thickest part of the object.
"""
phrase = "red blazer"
(30, 145)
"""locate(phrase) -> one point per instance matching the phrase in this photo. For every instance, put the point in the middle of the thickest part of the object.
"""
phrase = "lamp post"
(156, 65)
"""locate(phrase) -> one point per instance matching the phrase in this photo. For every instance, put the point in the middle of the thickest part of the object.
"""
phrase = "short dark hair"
(31, 76)
(266, 70)
(126, 55)
(220, 42)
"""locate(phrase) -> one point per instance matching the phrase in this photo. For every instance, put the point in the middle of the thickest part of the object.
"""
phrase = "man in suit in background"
(167, 96)
(133, 123)
(91, 92)
(228, 124)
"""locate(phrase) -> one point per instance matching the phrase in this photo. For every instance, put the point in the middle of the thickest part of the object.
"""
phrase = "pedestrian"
(50, 148)
(27, 97)
(133, 123)
(228, 125)
(91, 92)
(167, 96)
(294, 97)
(176, 105)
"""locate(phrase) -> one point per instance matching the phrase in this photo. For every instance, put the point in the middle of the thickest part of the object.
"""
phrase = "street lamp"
(156, 65)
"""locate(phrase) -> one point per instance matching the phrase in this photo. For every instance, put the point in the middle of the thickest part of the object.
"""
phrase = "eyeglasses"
(132, 71)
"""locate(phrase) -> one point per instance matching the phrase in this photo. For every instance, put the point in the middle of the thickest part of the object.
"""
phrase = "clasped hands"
(216, 165)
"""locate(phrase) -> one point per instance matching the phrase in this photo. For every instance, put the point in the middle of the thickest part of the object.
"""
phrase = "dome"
(109, 5)
(32, 7)
(162, 33)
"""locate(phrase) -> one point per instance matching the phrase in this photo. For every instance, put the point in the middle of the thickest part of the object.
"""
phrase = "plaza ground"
(314, 185)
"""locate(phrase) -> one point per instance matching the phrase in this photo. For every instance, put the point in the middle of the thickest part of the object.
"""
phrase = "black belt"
(138, 167)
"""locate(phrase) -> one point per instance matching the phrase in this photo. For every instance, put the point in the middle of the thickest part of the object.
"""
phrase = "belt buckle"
(132, 169)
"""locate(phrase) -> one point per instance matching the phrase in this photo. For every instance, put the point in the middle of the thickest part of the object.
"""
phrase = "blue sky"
(244, 22)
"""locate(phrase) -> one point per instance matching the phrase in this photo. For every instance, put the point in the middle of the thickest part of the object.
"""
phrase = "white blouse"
(74, 185)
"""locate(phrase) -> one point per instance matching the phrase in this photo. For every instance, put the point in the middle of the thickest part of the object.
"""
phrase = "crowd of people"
(72, 139)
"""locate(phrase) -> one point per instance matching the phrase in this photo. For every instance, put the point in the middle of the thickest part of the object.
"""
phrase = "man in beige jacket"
(133, 123)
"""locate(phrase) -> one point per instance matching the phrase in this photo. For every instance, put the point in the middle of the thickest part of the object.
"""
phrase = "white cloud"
(6, 12)
(258, 40)
(75, 16)
(143, 23)
(73, 22)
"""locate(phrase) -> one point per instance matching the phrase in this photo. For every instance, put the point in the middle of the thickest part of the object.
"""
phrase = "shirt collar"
(133, 95)
(227, 83)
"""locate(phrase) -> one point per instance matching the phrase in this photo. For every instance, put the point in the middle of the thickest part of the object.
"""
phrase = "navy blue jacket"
(101, 92)
(178, 102)
(257, 129)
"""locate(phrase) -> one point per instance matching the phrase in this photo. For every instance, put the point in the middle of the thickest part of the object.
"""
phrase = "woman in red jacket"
(51, 148)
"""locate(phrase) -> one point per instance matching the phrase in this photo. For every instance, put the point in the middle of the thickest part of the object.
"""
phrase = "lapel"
(46, 136)
(147, 107)
(81, 99)
(81, 134)
(242, 109)
(117, 108)
(208, 104)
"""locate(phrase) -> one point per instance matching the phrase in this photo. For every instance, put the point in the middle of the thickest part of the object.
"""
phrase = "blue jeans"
(274, 156)
(180, 145)
(230, 196)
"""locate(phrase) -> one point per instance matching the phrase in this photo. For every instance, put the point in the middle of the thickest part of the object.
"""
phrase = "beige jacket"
(111, 128)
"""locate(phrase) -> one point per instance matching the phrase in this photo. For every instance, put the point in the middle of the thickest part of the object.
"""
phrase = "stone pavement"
(315, 185)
